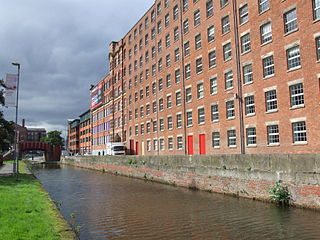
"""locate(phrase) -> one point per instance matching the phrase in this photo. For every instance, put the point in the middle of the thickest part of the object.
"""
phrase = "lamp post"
(16, 142)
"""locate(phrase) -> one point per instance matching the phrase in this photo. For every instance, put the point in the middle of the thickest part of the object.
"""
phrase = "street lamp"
(16, 142)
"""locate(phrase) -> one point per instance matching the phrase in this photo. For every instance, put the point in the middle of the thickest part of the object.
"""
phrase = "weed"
(280, 194)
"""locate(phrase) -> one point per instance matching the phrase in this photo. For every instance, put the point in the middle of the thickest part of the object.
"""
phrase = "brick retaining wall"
(247, 176)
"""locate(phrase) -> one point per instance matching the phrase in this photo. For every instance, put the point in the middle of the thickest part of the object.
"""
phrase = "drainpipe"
(112, 81)
(157, 89)
(122, 88)
(239, 82)
(183, 78)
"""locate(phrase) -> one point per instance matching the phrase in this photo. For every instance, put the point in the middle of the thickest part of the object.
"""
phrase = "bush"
(280, 194)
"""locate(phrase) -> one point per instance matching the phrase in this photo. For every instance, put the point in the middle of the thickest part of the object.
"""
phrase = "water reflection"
(114, 207)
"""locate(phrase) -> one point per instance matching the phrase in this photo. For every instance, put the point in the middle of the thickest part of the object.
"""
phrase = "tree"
(53, 137)
(6, 127)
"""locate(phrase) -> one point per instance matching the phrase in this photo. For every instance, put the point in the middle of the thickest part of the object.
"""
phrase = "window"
(147, 91)
(154, 107)
(176, 55)
(142, 129)
(155, 144)
(264, 5)
(159, 8)
(228, 77)
(187, 70)
(188, 94)
(155, 126)
(185, 26)
(250, 107)
(159, 27)
(153, 16)
(251, 136)
(232, 138)
(160, 65)
(318, 48)
(167, 20)
(175, 12)
(201, 115)
(154, 70)
(225, 24)
(167, 40)
(189, 118)
(187, 49)
(166, 3)
(213, 85)
(268, 66)
(141, 111)
(197, 39)
(161, 143)
(290, 21)
(214, 112)
(179, 120)
(200, 90)
(153, 52)
(146, 39)
(212, 58)
(223, 3)
(230, 109)
(136, 130)
(209, 8)
(210, 33)
(170, 122)
(196, 17)
(176, 34)
(271, 100)
(148, 127)
(153, 33)
(168, 80)
(178, 98)
(179, 143)
(244, 14)
(185, 5)
(177, 75)
(154, 88)
(299, 132)
(148, 145)
(296, 95)
(245, 43)
(168, 60)
(161, 124)
(266, 33)
(169, 101)
(146, 23)
(227, 54)
(273, 134)
(215, 139)
(146, 56)
(293, 58)
(160, 84)
(247, 74)
(170, 143)
(199, 65)
(316, 9)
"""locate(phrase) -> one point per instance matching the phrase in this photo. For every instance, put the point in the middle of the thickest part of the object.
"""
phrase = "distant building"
(73, 136)
(85, 133)
(35, 134)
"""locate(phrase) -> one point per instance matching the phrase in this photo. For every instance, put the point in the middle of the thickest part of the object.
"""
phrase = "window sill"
(228, 89)
(227, 60)
(292, 31)
(266, 43)
(293, 69)
(213, 94)
(231, 118)
(250, 115)
(273, 145)
(300, 143)
(316, 20)
(296, 107)
(252, 146)
(190, 126)
(222, 7)
(271, 111)
(216, 147)
(270, 76)
(243, 23)
(226, 33)
(264, 11)
(244, 53)
(248, 83)
(235, 146)
(213, 66)
(200, 124)
(215, 121)
(198, 73)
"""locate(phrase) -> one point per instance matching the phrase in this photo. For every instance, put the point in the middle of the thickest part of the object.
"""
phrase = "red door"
(190, 145)
(202, 144)
(137, 148)
(131, 147)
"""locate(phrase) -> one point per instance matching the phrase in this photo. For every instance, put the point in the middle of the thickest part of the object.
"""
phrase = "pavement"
(6, 169)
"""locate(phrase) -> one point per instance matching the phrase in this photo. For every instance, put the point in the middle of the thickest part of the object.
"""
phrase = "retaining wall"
(247, 176)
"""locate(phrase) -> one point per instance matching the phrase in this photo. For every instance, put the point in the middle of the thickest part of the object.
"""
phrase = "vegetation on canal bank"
(27, 212)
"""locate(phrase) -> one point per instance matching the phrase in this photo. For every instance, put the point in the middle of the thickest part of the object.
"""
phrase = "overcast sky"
(62, 46)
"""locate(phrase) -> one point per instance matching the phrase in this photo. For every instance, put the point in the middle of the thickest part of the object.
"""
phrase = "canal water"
(115, 207)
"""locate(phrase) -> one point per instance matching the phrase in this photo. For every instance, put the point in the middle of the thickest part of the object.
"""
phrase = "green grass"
(26, 211)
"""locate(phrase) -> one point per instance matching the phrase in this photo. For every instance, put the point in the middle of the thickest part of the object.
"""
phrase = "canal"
(114, 207)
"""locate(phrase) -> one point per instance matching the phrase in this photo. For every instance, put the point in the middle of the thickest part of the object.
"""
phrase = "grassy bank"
(26, 211)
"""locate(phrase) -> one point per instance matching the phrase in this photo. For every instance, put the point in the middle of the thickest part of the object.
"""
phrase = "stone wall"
(247, 176)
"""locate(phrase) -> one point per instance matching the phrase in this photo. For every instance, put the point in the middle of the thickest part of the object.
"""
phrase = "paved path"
(6, 169)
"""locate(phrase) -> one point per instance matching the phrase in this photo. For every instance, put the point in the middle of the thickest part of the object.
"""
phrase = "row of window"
(299, 136)
(271, 105)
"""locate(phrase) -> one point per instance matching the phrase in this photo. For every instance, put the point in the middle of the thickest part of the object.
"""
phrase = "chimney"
(23, 122)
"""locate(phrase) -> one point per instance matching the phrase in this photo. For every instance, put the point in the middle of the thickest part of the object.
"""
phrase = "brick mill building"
(214, 77)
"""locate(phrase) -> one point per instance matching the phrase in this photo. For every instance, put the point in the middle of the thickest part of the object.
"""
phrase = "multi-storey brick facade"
(85, 133)
(73, 136)
(215, 77)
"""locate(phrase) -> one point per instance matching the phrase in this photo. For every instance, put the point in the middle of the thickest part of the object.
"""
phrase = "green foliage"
(53, 137)
(280, 194)
(6, 127)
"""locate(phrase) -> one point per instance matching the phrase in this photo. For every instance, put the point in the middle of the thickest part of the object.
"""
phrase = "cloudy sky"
(62, 46)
